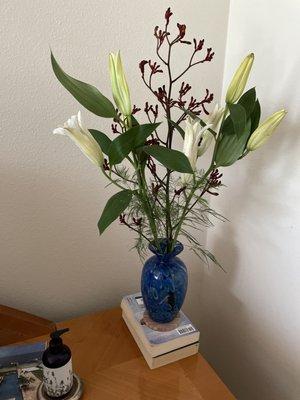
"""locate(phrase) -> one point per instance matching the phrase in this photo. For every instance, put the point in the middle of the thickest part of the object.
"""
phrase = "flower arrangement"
(163, 194)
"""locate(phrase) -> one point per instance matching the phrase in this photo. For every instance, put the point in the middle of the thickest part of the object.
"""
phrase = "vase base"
(160, 327)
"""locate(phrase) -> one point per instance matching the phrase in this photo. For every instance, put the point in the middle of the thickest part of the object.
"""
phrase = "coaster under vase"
(160, 327)
(74, 394)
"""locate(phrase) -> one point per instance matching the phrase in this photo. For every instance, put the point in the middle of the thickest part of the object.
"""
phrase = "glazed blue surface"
(164, 283)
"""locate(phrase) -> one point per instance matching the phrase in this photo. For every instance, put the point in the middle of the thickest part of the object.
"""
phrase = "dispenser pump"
(56, 340)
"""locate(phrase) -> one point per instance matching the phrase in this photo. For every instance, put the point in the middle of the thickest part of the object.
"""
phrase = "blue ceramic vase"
(164, 283)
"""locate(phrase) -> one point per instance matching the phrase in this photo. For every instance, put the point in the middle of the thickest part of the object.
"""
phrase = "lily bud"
(81, 136)
(119, 84)
(239, 80)
(193, 133)
(265, 130)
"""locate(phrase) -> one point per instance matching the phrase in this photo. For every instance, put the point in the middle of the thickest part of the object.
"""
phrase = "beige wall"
(53, 262)
(250, 317)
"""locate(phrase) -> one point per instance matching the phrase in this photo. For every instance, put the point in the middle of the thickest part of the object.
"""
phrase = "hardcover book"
(157, 343)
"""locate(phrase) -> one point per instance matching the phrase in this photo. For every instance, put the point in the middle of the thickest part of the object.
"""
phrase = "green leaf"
(255, 116)
(126, 142)
(172, 159)
(248, 101)
(102, 139)
(134, 121)
(208, 254)
(238, 117)
(231, 147)
(87, 95)
(227, 128)
(114, 207)
(178, 127)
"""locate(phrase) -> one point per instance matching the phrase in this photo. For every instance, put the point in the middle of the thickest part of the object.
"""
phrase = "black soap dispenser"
(57, 366)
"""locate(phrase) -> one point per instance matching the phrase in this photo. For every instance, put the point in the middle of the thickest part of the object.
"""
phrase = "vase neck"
(161, 250)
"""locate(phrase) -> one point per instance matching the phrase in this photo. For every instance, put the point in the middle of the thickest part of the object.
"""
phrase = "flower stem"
(113, 181)
(144, 198)
(187, 207)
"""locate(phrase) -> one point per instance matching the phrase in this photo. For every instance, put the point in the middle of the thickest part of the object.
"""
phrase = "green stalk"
(145, 200)
(112, 180)
(142, 194)
(169, 230)
(143, 189)
(186, 207)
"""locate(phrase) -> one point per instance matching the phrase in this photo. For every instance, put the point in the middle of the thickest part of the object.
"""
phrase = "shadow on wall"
(245, 352)
(230, 339)
(56, 265)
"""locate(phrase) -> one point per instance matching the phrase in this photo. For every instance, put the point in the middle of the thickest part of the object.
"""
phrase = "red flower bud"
(168, 15)
(182, 29)
(142, 66)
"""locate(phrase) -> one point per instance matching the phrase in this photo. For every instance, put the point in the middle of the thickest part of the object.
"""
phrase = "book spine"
(144, 352)
(136, 325)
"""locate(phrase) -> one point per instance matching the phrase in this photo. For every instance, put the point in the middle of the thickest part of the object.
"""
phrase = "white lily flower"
(193, 132)
(75, 129)
(119, 84)
(215, 117)
(212, 122)
(205, 141)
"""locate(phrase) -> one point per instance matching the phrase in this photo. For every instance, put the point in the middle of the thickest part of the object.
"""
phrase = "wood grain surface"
(111, 366)
(18, 325)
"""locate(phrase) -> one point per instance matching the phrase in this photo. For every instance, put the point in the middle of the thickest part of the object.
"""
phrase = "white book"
(163, 359)
(158, 343)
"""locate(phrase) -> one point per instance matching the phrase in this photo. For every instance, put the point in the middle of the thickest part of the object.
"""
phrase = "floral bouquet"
(162, 193)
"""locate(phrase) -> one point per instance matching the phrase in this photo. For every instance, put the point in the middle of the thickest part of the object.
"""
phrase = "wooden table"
(111, 366)
(16, 325)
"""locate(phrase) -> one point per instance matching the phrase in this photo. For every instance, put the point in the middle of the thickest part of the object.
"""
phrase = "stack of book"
(159, 348)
